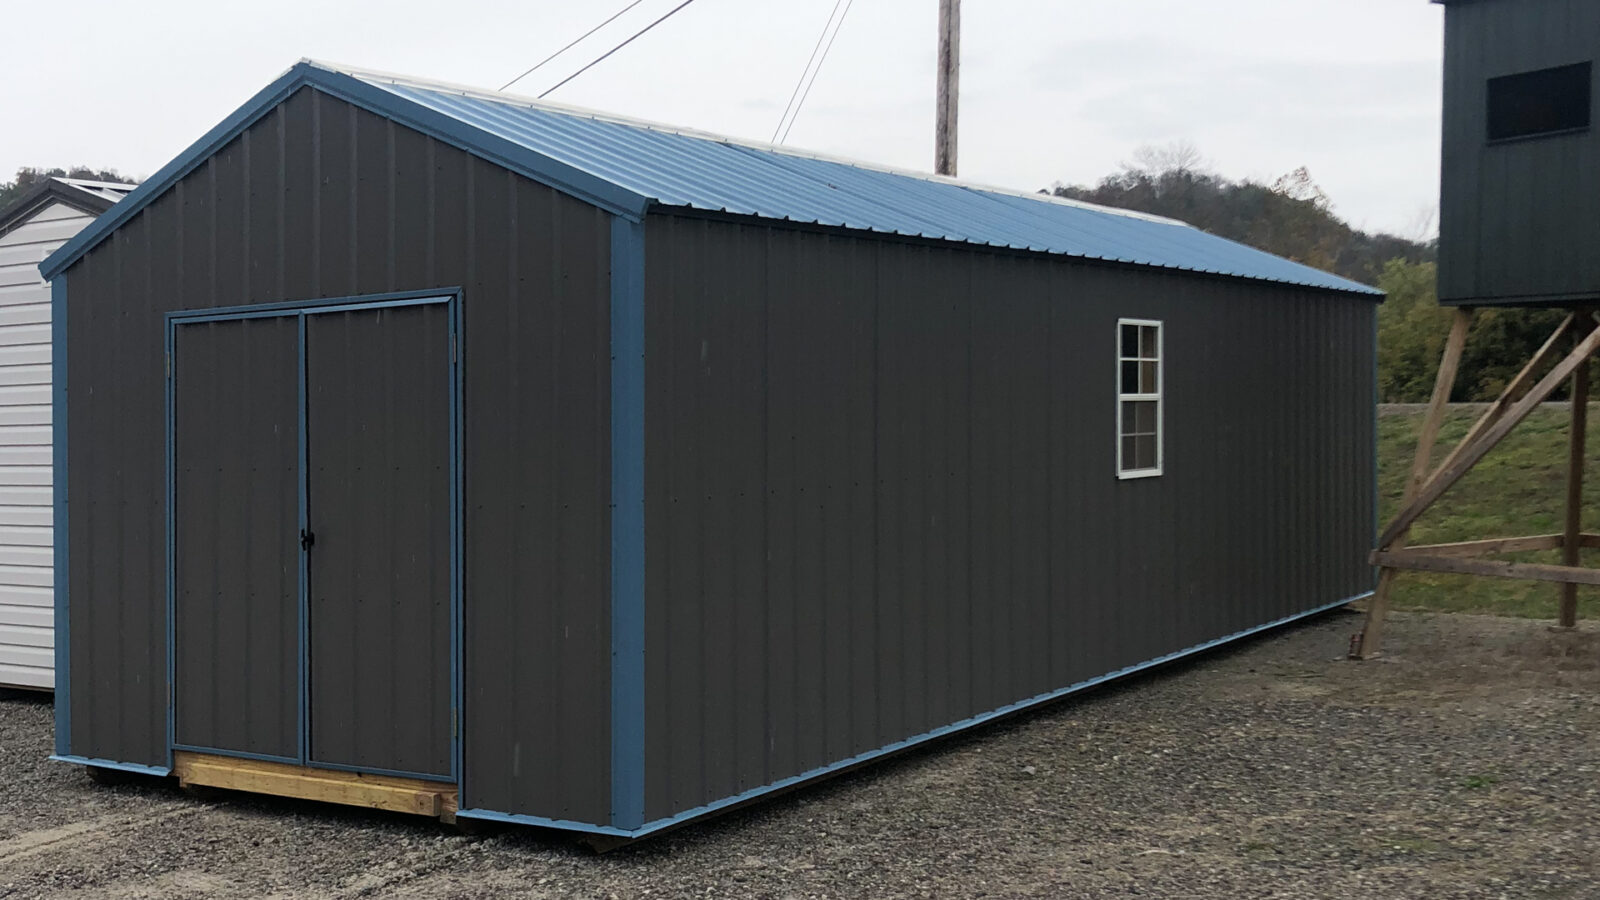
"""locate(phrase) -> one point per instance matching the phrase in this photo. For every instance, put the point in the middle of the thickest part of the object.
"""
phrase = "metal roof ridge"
(698, 134)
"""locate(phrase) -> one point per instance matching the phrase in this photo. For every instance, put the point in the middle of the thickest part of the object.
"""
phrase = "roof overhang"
(568, 179)
(51, 190)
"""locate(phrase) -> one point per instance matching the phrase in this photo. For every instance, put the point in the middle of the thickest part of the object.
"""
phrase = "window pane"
(1130, 378)
(1144, 451)
(1543, 102)
(1147, 378)
(1130, 422)
(1144, 417)
(1130, 340)
(1149, 345)
(1129, 452)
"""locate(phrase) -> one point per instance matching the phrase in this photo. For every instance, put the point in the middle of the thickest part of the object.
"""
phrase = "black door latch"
(307, 538)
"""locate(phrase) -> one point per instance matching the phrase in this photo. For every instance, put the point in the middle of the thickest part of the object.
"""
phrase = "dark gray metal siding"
(320, 199)
(1518, 220)
(237, 575)
(881, 492)
(378, 433)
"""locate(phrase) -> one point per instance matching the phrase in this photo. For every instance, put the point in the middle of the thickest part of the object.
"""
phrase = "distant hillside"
(1291, 218)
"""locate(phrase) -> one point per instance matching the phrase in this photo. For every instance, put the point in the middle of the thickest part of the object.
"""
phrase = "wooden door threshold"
(413, 796)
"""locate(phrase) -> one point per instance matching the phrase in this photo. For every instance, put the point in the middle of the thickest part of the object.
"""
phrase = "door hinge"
(169, 364)
(455, 724)
(452, 348)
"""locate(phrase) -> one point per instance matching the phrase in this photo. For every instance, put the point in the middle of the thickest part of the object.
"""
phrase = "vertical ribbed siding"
(319, 199)
(881, 493)
(236, 591)
(1517, 219)
(378, 502)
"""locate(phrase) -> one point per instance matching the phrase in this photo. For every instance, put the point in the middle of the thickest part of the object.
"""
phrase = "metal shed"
(32, 226)
(602, 475)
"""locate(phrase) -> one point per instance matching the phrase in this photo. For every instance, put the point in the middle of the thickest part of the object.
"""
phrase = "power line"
(603, 56)
(818, 71)
(536, 66)
(803, 72)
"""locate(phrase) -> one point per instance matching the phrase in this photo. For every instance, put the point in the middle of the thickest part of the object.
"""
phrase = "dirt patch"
(1461, 765)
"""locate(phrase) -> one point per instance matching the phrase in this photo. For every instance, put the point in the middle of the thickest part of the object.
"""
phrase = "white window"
(1139, 379)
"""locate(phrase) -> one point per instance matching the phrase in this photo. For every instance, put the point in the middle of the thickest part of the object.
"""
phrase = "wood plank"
(386, 792)
(1571, 554)
(1491, 546)
(1415, 560)
(1371, 639)
(1512, 390)
(1589, 541)
(1445, 479)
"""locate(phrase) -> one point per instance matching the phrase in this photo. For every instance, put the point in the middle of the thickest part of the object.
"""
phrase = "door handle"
(307, 538)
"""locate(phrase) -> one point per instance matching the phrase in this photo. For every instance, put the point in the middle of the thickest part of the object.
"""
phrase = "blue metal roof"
(628, 167)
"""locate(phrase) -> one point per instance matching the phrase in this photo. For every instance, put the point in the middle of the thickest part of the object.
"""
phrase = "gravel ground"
(1462, 765)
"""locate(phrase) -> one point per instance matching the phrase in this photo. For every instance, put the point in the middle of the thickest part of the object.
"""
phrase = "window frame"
(1158, 397)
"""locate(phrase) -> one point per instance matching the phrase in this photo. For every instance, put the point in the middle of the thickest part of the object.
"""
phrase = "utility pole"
(949, 95)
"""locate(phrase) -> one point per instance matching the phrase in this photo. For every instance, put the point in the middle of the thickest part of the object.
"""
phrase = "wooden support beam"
(1416, 560)
(1447, 477)
(1488, 547)
(406, 795)
(1513, 390)
(1567, 614)
(1366, 646)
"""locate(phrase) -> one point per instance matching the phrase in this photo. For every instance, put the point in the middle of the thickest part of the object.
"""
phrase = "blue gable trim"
(58, 499)
(568, 179)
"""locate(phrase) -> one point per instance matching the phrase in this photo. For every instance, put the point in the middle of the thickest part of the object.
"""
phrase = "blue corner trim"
(568, 179)
(58, 497)
(627, 524)
(159, 771)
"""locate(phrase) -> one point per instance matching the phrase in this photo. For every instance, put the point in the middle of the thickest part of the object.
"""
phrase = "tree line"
(1293, 217)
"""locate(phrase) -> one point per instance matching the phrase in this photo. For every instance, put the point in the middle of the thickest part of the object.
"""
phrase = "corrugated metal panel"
(882, 499)
(378, 432)
(25, 439)
(703, 172)
(1518, 220)
(319, 199)
(236, 585)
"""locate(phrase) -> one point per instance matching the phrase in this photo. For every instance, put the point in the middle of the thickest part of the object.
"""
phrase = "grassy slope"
(1518, 489)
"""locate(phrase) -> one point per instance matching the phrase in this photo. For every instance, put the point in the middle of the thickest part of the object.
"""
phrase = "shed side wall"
(1518, 220)
(881, 492)
(322, 199)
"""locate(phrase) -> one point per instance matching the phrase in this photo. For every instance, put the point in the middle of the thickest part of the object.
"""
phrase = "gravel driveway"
(1465, 765)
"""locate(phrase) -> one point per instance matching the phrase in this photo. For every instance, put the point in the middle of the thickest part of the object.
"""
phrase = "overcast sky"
(1052, 90)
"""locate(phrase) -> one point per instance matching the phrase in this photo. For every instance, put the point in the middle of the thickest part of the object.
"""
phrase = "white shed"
(31, 228)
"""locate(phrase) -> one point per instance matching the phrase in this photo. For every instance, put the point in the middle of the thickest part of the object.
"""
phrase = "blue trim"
(371, 770)
(170, 330)
(303, 514)
(159, 771)
(237, 754)
(315, 305)
(561, 176)
(489, 815)
(458, 659)
(897, 746)
(62, 623)
(627, 524)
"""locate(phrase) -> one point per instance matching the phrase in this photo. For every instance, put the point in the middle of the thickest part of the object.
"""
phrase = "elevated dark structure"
(440, 447)
(1519, 218)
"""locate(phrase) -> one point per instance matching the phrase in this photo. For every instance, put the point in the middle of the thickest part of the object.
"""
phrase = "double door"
(312, 541)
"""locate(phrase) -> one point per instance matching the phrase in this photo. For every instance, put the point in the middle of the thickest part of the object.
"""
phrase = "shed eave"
(568, 179)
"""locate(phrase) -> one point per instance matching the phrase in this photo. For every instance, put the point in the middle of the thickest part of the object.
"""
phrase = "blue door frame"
(451, 297)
